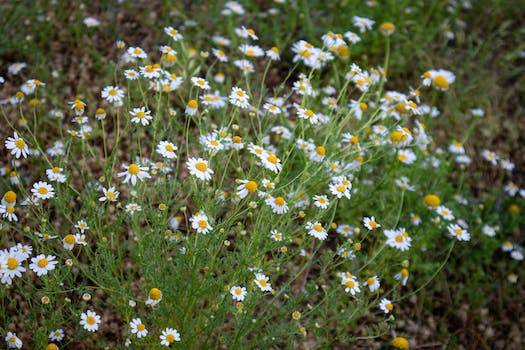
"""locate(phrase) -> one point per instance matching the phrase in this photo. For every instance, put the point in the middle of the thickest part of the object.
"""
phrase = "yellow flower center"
(389, 307)
(432, 200)
(192, 104)
(350, 284)
(42, 263)
(133, 169)
(170, 338)
(201, 166)
(441, 82)
(141, 327)
(400, 238)
(320, 150)
(272, 158)
(169, 148)
(279, 201)
(203, 224)
(43, 190)
(69, 239)
(112, 92)
(12, 263)
(155, 293)
(10, 197)
(251, 186)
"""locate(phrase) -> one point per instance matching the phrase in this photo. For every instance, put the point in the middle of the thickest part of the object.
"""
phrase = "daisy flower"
(386, 306)
(168, 336)
(82, 226)
(276, 235)
(17, 146)
(192, 107)
(141, 115)
(316, 230)
(113, 94)
(321, 201)
(488, 230)
(445, 213)
(42, 264)
(402, 276)
(90, 321)
(278, 204)
(136, 52)
(398, 239)
(271, 108)
(371, 223)
(251, 51)
(246, 33)
(238, 293)
(457, 231)
(238, 97)
(406, 156)
(261, 280)
(246, 187)
(154, 297)
(221, 56)
(273, 54)
(42, 190)
(8, 212)
(56, 335)
(362, 23)
(110, 194)
(12, 341)
(372, 283)
(200, 223)
(350, 283)
(200, 83)
(133, 173)
(173, 33)
(307, 114)
(138, 328)
(271, 162)
(11, 265)
(199, 168)
(167, 149)
(340, 187)
(56, 174)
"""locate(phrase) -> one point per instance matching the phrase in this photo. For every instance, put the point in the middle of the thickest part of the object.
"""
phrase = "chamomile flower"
(371, 223)
(251, 51)
(167, 149)
(154, 297)
(113, 94)
(262, 281)
(56, 174)
(271, 109)
(445, 213)
(441, 79)
(82, 226)
(398, 239)
(138, 328)
(307, 114)
(17, 146)
(238, 97)
(8, 212)
(316, 229)
(200, 83)
(278, 204)
(90, 321)
(134, 172)
(42, 264)
(340, 187)
(168, 336)
(362, 23)
(246, 33)
(173, 33)
(199, 168)
(246, 187)
(136, 52)
(321, 201)
(273, 54)
(141, 115)
(42, 190)
(11, 265)
(200, 223)
(372, 283)
(386, 306)
(110, 194)
(271, 162)
(457, 231)
(276, 235)
(350, 283)
(12, 341)
(192, 107)
(488, 230)
(402, 276)
(238, 293)
(406, 156)
(69, 241)
(56, 335)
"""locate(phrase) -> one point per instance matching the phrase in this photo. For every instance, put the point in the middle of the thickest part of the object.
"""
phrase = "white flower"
(271, 162)
(386, 305)
(90, 320)
(238, 293)
(110, 194)
(321, 201)
(488, 230)
(17, 146)
(307, 114)
(134, 172)
(167, 149)
(168, 336)
(372, 283)
(261, 280)
(278, 204)
(12, 341)
(238, 97)
(199, 168)
(113, 94)
(42, 264)
(362, 23)
(398, 239)
(444, 212)
(246, 187)
(141, 116)
(173, 33)
(136, 52)
(371, 223)
(457, 231)
(56, 335)
(42, 190)
(138, 328)
(316, 230)
(56, 174)
(200, 223)
(340, 187)
(406, 156)
(350, 283)
(200, 83)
